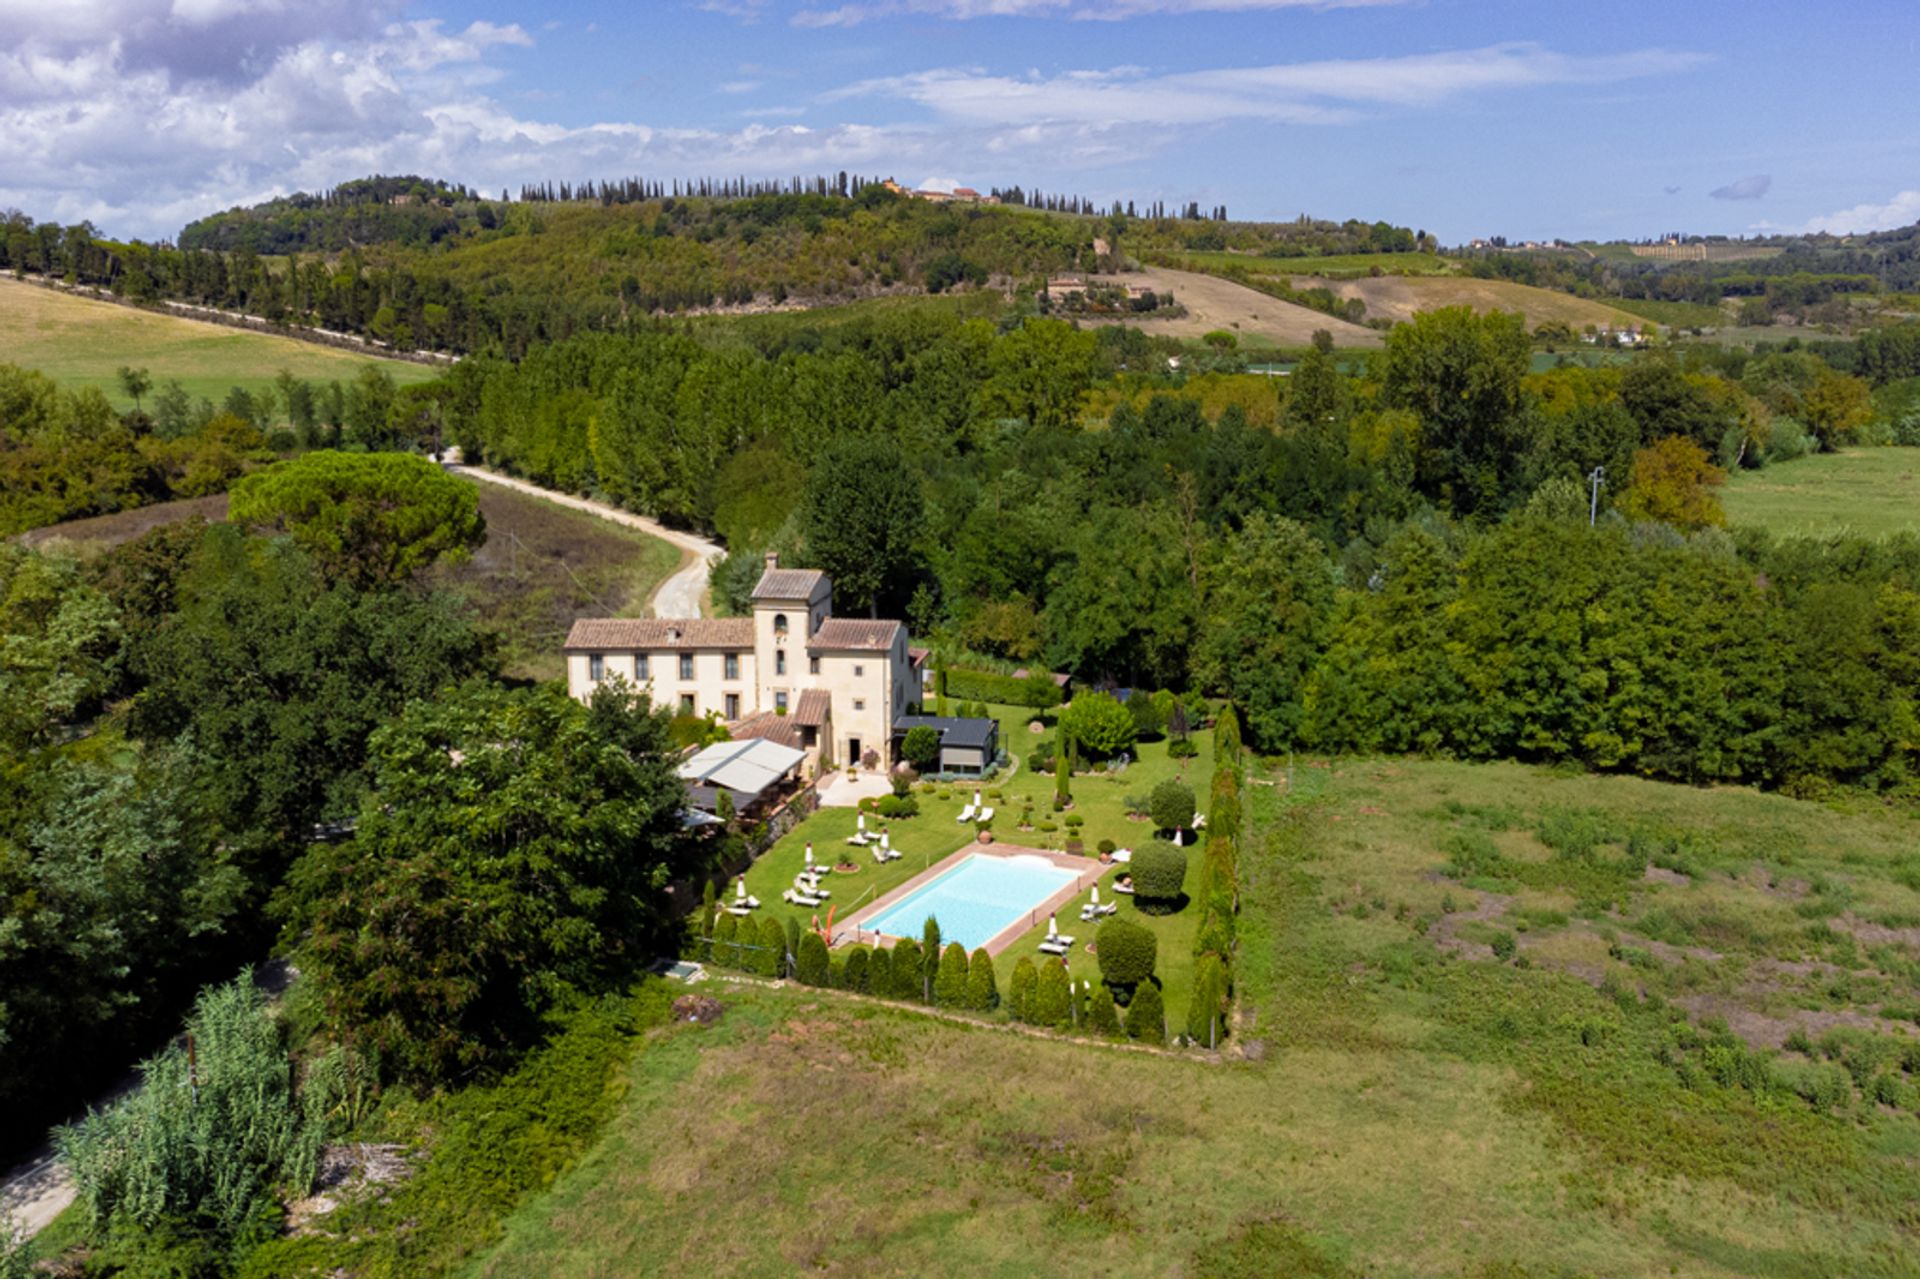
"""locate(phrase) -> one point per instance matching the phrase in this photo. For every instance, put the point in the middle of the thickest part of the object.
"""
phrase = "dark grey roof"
(954, 731)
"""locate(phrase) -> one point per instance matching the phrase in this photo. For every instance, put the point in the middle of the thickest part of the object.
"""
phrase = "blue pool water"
(975, 900)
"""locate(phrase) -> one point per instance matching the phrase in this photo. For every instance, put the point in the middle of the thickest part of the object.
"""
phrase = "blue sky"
(1463, 117)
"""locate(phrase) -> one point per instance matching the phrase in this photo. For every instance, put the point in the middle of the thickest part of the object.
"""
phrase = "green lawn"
(1414, 1107)
(1099, 798)
(84, 342)
(1868, 491)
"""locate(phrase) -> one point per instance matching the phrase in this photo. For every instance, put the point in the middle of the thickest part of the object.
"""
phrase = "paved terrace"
(1087, 872)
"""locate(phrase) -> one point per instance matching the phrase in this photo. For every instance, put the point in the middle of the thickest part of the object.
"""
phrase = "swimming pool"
(976, 900)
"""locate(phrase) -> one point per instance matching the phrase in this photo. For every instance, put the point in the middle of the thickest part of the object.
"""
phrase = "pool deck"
(1087, 872)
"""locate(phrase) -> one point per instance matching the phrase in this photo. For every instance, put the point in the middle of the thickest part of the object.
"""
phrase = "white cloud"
(1748, 188)
(1326, 92)
(847, 15)
(1902, 210)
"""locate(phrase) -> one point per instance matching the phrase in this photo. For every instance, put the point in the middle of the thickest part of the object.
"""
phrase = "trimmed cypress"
(983, 991)
(950, 985)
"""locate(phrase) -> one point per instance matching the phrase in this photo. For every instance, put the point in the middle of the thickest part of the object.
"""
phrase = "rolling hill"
(1399, 297)
(82, 342)
(1213, 303)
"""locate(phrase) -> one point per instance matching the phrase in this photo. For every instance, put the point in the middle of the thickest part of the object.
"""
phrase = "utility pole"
(1596, 479)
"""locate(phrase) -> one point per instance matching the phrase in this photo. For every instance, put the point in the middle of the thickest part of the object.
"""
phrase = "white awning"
(745, 767)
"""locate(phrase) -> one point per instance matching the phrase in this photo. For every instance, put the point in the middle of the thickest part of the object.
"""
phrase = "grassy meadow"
(1870, 492)
(1495, 1021)
(84, 342)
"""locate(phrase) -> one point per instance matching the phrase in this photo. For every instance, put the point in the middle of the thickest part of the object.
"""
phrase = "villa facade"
(791, 671)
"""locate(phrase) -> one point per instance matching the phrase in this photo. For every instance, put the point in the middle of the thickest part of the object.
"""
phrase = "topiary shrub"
(1159, 878)
(1147, 1015)
(858, 971)
(811, 965)
(725, 952)
(950, 984)
(1206, 1011)
(1103, 1017)
(771, 960)
(1127, 952)
(897, 806)
(1172, 805)
(909, 980)
(1020, 990)
(1052, 1000)
(983, 991)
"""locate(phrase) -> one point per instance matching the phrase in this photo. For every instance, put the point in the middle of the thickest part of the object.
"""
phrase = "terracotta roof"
(660, 632)
(789, 584)
(853, 632)
(813, 708)
(773, 727)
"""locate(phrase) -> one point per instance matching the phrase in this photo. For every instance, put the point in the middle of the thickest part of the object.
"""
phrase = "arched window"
(779, 623)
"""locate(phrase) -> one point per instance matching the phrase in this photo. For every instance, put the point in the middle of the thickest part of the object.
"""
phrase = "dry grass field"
(1258, 320)
(84, 342)
(1399, 297)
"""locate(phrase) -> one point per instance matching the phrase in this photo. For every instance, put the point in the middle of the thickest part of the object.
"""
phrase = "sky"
(1525, 118)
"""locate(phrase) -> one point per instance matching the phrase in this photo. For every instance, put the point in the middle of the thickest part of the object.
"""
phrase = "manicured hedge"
(811, 965)
(983, 991)
(1159, 877)
(1020, 990)
(1103, 1018)
(1052, 999)
(950, 983)
(1127, 952)
(1147, 1015)
(987, 686)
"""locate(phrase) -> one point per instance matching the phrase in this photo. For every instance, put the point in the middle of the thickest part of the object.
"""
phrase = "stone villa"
(791, 672)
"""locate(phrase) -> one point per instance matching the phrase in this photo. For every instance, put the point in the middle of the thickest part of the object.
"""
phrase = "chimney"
(773, 560)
